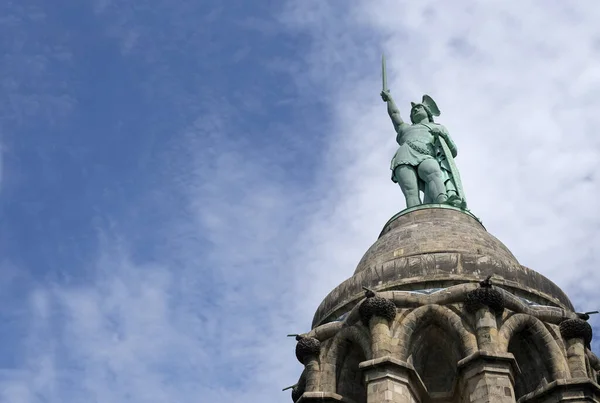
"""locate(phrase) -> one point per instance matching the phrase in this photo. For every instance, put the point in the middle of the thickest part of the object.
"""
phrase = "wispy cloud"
(262, 206)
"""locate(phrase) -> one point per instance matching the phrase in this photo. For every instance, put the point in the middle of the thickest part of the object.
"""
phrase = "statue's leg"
(427, 195)
(430, 171)
(406, 176)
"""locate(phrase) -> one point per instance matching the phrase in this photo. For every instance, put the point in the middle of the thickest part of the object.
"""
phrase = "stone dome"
(433, 230)
(432, 247)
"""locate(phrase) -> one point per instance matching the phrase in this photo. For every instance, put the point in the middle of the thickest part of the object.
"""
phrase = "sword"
(383, 73)
(453, 170)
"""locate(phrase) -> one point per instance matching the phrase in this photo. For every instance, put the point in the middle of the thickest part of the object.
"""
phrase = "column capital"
(487, 377)
(396, 370)
(322, 397)
(575, 389)
(491, 362)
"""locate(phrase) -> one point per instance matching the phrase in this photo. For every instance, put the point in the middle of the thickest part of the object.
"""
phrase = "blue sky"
(182, 182)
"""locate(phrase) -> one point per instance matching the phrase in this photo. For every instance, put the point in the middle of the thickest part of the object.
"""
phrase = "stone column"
(487, 377)
(485, 303)
(486, 329)
(307, 352)
(380, 336)
(308, 390)
(576, 357)
(389, 380)
(577, 333)
(377, 313)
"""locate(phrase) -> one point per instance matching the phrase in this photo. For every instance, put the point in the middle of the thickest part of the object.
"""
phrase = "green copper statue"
(424, 160)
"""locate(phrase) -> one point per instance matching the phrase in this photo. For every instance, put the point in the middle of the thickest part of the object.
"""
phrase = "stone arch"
(433, 338)
(439, 315)
(536, 351)
(339, 363)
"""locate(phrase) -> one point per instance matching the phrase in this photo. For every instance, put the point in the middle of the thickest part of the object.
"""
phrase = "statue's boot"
(456, 201)
(441, 198)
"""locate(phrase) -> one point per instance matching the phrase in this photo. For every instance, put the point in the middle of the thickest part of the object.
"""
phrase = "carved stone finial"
(485, 296)
(306, 348)
(376, 306)
(576, 328)
(368, 292)
(487, 283)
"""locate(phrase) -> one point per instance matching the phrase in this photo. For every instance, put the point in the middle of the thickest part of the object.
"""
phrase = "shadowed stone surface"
(437, 247)
(296, 393)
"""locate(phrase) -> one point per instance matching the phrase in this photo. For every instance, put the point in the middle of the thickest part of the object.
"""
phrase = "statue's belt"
(418, 148)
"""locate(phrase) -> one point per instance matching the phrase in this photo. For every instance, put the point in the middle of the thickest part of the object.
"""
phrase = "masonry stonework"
(453, 338)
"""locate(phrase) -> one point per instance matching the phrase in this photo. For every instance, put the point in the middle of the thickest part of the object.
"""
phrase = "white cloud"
(253, 255)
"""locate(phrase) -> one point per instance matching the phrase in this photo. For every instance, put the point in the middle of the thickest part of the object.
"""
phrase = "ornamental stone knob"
(377, 306)
(306, 348)
(485, 296)
(576, 328)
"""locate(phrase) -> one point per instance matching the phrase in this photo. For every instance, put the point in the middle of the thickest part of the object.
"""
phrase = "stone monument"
(438, 309)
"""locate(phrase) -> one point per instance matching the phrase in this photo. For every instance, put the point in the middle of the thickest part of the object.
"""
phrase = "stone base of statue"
(432, 247)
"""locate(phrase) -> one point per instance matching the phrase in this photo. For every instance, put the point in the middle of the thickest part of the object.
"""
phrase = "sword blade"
(383, 73)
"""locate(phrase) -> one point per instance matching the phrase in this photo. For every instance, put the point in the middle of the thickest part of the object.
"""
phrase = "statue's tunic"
(416, 144)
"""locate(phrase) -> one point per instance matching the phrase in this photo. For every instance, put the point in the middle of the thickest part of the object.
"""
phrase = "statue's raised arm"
(393, 110)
